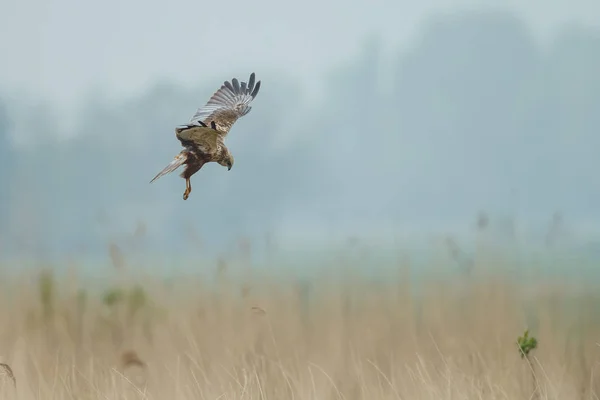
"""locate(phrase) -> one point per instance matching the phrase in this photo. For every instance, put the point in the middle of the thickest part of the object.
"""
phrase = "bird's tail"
(173, 165)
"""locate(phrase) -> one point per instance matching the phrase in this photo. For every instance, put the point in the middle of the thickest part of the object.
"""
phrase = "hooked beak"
(229, 168)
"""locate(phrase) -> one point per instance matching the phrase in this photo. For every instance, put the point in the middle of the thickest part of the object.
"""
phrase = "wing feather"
(228, 104)
(255, 91)
(251, 83)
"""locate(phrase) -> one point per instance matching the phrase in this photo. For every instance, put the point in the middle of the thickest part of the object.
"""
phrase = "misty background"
(376, 121)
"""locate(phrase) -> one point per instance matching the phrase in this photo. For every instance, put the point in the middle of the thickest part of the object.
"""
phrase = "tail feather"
(177, 162)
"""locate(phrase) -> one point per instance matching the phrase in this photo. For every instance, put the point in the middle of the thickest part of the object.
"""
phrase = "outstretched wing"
(227, 105)
(173, 165)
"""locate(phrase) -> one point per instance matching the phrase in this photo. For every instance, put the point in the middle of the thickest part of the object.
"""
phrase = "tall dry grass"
(341, 337)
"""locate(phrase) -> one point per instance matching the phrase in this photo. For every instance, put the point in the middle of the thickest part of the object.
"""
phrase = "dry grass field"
(260, 337)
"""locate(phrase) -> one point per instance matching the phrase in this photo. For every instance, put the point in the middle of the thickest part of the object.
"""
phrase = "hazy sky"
(457, 109)
(64, 48)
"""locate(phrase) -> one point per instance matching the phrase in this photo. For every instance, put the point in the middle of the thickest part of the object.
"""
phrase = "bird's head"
(227, 161)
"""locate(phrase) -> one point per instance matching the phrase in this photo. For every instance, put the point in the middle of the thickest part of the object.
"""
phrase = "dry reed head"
(259, 311)
(8, 372)
(245, 246)
(116, 256)
(245, 290)
(130, 358)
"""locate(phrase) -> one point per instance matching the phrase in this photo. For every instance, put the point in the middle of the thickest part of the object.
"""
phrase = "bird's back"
(202, 138)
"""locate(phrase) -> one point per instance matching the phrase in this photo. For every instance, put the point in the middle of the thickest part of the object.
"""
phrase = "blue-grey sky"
(379, 118)
(61, 50)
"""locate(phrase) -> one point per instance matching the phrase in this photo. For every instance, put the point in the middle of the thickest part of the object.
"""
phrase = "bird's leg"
(188, 189)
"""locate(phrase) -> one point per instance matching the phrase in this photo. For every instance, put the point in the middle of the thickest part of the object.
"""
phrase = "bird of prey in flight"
(202, 138)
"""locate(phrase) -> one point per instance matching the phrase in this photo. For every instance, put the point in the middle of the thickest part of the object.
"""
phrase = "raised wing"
(227, 105)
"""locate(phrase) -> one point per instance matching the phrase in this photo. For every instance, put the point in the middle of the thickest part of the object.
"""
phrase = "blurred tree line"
(477, 115)
(7, 164)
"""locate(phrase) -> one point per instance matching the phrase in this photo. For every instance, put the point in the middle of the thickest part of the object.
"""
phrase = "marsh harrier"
(202, 138)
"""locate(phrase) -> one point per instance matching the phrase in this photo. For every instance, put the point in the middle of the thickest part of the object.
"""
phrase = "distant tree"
(561, 125)
(458, 93)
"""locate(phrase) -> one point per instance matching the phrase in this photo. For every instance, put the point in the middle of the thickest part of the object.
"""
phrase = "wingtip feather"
(236, 85)
(256, 89)
(251, 82)
(228, 85)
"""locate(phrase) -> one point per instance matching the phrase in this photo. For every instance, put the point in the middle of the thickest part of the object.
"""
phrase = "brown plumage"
(202, 138)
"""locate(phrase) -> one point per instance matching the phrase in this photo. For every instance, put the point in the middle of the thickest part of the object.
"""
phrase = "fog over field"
(384, 121)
